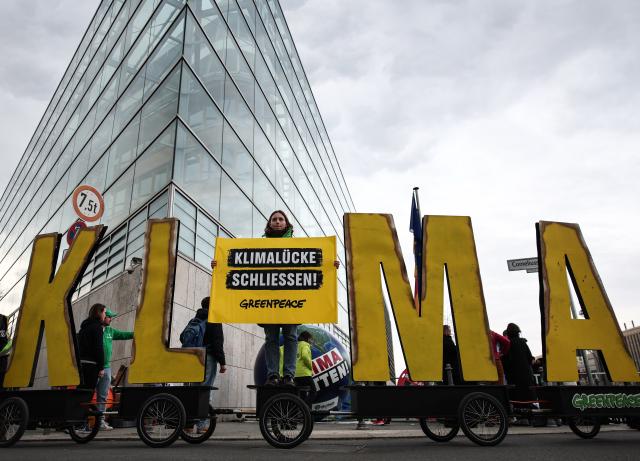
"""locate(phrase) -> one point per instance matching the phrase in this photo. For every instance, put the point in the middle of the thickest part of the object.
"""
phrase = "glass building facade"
(197, 109)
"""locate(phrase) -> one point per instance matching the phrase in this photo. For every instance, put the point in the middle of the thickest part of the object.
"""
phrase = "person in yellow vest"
(304, 366)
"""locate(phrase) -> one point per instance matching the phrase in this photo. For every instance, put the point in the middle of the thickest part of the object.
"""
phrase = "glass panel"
(236, 160)
(129, 103)
(204, 61)
(199, 112)
(239, 70)
(160, 109)
(123, 151)
(153, 168)
(212, 22)
(186, 213)
(241, 32)
(235, 209)
(197, 172)
(165, 55)
(205, 239)
(96, 176)
(117, 200)
(238, 114)
(264, 195)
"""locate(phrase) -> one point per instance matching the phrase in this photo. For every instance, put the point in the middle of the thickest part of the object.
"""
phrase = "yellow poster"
(284, 281)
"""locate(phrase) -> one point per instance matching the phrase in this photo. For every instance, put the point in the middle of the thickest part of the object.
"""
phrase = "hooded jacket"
(90, 342)
(213, 337)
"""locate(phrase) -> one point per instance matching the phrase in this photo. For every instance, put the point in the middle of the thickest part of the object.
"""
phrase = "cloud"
(508, 111)
(37, 41)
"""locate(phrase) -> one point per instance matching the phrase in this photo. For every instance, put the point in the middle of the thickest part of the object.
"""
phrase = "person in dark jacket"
(214, 342)
(91, 346)
(518, 365)
(450, 357)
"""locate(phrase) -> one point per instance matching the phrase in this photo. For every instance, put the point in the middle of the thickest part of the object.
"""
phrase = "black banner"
(272, 257)
(274, 279)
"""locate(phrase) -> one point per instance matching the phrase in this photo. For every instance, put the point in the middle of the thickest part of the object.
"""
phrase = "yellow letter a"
(153, 361)
(45, 307)
(562, 248)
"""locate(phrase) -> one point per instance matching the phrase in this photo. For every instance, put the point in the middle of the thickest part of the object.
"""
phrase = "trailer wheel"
(84, 431)
(585, 426)
(161, 420)
(285, 421)
(483, 419)
(195, 438)
(439, 429)
(14, 416)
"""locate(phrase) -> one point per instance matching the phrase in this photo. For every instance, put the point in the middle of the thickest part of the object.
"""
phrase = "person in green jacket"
(109, 335)
(5, 347)
(304, 366)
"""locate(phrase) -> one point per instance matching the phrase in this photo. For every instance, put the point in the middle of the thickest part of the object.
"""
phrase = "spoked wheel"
(439, 429)
(285, 421)
(14, 416)
(161, 420)
(195, 437)
(584, 426)
(84, 431)
(483, 419)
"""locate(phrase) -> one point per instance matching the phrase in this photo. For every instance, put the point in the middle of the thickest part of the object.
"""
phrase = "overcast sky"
(507, 111)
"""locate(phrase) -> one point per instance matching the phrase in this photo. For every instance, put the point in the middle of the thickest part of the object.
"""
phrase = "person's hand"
(214, 263)
(223, 368)
(336, 264)
(100, 373)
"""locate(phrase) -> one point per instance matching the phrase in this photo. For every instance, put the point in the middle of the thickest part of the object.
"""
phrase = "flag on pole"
(415, 227)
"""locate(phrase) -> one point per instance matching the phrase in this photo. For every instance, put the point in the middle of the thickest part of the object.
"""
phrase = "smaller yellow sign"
(277, 281)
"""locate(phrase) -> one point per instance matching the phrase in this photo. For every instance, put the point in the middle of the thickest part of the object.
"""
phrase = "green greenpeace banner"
(594, 401)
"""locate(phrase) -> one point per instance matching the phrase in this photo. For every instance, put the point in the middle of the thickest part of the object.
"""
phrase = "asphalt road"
(621, 445)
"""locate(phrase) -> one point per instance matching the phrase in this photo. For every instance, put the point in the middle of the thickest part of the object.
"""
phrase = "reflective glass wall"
(191, 108)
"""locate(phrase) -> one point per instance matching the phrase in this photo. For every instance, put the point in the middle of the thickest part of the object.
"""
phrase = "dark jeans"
(89, 376)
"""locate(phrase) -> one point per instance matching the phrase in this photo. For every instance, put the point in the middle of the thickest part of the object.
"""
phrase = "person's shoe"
(202, 429)
(288, 381)
(273, 380)
(104, 426)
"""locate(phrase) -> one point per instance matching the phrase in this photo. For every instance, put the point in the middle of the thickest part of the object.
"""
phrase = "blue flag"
(415, 226)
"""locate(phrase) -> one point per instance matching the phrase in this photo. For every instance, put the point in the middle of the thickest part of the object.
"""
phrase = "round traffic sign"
(74, 230)
(88, 203)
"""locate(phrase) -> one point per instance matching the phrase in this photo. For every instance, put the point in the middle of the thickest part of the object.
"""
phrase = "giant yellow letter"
(372, 243)
(46, 307)
(562, 248)
(153, 361)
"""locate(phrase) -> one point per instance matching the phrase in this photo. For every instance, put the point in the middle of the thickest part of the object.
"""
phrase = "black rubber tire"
(172, 415)
(199, 438)
(13, 411)
(578, 424)
(285, 412)
(436, 437)
(478, 410)
(84, 437)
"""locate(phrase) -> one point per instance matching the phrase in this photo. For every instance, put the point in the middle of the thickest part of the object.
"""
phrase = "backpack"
(193, 333)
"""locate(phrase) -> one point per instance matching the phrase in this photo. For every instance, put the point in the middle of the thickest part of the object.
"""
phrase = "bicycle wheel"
(439, 429)
(285, 421)
(586, 427)
(161, 420)
(199, 438)
(483, 419)
(84, 431)
(14, 416)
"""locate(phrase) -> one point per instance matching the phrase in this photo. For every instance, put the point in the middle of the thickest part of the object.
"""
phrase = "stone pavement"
(342, 430)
